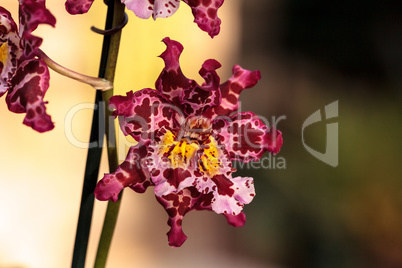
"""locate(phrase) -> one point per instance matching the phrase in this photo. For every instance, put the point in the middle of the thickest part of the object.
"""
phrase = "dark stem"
(112, 208)
(93, 159)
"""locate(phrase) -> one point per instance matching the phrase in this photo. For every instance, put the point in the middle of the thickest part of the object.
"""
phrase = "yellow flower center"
(209, 161)
(187, 152)
(3, 53)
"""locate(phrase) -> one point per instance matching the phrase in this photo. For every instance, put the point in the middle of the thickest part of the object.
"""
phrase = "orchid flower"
(23, 76)
(187, 137)
(204, 11)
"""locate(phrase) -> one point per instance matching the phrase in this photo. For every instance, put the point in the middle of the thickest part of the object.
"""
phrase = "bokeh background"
(305, 214)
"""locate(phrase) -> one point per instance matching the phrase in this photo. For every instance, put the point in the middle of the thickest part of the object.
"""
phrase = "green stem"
(112, 208)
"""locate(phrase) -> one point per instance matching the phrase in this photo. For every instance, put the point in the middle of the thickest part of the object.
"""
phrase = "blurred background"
(306, 213)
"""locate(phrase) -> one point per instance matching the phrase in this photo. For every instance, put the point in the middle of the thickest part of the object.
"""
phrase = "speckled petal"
(231, 89)
(167, 177)
(205, 14)
(246, 137)
(186, 94)
(177, 205)
(157, 8)
(129, 174)
(75, 7)
(231, 194)
(172, 180)
(32, 13)
(172, 82)
(29, 86)
(141, 8)
(142, 113)
(165, 8)
(234, 220)
(196, 100)
(7, 23)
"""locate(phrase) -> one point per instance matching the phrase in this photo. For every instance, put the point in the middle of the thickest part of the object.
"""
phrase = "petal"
(75, 7)
(231, 89)
(186, 94)
(167, 177)
(171, 180)
(129, 174)
(10, 52)
(205, 184)
(236, 220)
(177, 205)
(158, 8)
(142, 113)
(198, 99)
(7, 23)
(165, 8)
(32, 13)
(29, 86)
(171, 82)
(9, 49)
(246, 137)
(205, 14)
(274, 140)
(141, 8)
(230, 194)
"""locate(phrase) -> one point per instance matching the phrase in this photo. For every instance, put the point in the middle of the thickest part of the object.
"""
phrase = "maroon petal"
(231, 89)
(176, 206)
(7, 23)
(32, 13)
(29, 86)
(205, 14)
(172, 82)
(142, 113)
(201, 98)
(171, 180)
(129, 174)
(236, 220)
(75, 7)
(186, 94)
(246, 137)
(274, 140)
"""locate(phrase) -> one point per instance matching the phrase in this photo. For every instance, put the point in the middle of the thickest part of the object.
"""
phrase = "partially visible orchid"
(23, 76)
(187, 135)
(204, 11)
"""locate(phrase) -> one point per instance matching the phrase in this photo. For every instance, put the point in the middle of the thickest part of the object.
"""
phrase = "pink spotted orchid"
(24, 77)
(187, 137)
(204, 11)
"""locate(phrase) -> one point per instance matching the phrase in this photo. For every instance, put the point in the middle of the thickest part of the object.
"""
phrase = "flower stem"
(112, 208)
(102, 123)
(95, 82)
